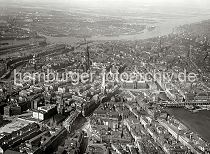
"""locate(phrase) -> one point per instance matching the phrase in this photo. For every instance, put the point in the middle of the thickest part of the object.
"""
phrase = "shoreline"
(193, 121)
(162, 29)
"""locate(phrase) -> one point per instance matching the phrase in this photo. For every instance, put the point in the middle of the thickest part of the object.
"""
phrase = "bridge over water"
(182, 104)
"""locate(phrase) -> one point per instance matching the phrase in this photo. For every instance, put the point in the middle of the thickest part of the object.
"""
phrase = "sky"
(120, 3)
(124, 3)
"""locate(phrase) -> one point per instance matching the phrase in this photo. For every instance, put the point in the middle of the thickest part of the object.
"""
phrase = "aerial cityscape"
(104, 77)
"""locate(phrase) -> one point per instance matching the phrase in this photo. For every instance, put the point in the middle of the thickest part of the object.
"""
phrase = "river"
(162, 28)
(197, 122)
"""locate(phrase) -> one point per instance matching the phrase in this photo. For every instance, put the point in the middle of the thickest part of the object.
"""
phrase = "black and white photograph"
(104, 76)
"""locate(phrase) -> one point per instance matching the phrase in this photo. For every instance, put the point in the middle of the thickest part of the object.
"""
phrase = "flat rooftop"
(15, 125)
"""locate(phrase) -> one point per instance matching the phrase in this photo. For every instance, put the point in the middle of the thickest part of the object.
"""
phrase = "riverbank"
(197, 122)
(161, 29)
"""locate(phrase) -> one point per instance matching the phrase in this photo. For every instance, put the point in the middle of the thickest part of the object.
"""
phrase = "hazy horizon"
(110, 4)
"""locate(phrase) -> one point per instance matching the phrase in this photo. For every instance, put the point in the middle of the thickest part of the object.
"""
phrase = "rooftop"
(15, 125)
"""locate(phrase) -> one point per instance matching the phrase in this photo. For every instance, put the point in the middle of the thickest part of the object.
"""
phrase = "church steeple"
(87, 56)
